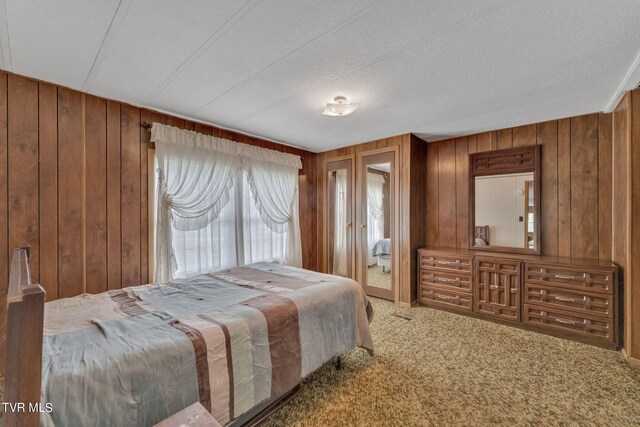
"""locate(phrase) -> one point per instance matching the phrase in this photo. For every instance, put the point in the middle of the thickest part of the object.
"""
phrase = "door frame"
(351, 244)
(361, 264)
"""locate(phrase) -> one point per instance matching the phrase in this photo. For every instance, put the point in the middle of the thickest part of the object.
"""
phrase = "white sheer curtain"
(375, 212)
(259, 241)
(211, 248)
(340, 225)
(193, 187)
(211, 215)
(275, 193)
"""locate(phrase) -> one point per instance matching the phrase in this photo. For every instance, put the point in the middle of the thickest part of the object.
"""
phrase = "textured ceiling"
(436, 68)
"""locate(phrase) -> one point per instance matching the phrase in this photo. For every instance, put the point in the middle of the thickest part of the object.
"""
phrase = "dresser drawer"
(445, 262)
(569, 299)
(586, 326)
(440, 298)
(577, 278)
(433, 277)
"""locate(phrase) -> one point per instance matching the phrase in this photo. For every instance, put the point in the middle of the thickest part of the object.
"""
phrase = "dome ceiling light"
(339, 107)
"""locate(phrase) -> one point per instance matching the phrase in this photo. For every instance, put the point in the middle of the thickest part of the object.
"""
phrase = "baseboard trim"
(630, 360)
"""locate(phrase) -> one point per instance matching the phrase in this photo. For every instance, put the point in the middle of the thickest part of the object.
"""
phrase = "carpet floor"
(442, 369)
(378, 278)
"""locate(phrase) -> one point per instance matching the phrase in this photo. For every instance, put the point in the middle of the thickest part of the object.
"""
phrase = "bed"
(233, 340)
(382, 251)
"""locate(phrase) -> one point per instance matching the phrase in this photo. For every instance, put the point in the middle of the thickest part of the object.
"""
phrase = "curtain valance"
(172, 135)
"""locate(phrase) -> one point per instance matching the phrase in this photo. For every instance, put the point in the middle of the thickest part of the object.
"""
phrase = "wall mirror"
(504, 200)
(376, 218)
(339, 218)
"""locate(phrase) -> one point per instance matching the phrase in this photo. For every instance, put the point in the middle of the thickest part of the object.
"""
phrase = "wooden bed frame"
(23, 360)
(23, 364)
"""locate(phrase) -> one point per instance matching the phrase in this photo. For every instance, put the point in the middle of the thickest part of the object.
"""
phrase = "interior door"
(377, 244)
(339, 227)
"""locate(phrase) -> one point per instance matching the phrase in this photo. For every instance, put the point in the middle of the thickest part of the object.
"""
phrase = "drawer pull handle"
(496, 287)
(569, 299)
(445, 280)
(448, 262)
(568, 277)
(569, 322)
(448, 297)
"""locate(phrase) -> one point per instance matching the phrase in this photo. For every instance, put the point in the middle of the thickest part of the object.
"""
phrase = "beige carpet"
(442, 369)
(378, 278)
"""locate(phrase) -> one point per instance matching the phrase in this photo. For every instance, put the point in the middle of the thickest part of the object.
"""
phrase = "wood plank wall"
(576, 218)
(73, 185)
(626, 210)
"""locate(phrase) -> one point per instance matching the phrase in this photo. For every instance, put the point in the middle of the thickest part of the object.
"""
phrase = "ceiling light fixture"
(339, 107)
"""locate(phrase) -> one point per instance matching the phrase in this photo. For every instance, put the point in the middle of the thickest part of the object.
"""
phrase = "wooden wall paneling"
(200, 128)
(505, 139)
(564, 187)
(418, 225)
(623, 225)
(48, 152)
(23, 168)
(96, 194)
(407, 256)
(432, 194)
(462, 192)
(70, 193)
(321, 203)
(472, 144)
(4, 218)
(114, 237)
(447, 223)
(145, 139)
(547, 138)
(307, 207)
(412, 194)
(177, 122)
(605, 186)
(524, 136)
(621, 137)
(130, 194)
(584, 186)
(486, 141)
(633, 234)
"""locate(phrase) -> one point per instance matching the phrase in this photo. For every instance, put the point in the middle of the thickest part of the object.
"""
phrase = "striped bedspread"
(231, 340)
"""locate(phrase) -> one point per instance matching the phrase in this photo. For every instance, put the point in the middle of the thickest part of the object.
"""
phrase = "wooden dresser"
(571, 298)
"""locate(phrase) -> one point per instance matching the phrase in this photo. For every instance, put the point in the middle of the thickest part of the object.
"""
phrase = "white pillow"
(480, 242)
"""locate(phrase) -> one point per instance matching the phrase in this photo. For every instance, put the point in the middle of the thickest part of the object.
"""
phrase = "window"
(238, 237)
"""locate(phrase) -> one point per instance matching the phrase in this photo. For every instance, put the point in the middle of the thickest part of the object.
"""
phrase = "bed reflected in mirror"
(379, 225)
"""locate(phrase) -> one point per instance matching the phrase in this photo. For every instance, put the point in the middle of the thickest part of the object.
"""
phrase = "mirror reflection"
(505, 210)
(338, 222)
(379, 225)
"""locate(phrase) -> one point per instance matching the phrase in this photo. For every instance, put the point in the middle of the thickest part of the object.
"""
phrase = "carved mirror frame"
(503, 162)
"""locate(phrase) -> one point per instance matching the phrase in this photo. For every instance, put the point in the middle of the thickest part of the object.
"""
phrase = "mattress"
(382, 247)
(230, 340)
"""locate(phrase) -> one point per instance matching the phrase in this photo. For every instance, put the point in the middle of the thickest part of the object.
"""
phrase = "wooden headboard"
(23, 360)
(482, 232)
